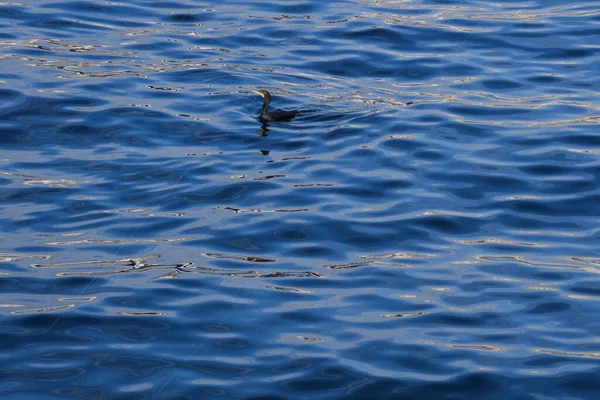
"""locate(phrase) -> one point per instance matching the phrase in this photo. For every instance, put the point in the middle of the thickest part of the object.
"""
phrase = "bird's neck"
(263, 110)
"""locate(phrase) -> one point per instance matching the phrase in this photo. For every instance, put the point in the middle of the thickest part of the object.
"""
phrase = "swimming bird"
(277, 115)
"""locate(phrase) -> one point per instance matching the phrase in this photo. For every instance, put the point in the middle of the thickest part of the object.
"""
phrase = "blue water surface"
(429, 231)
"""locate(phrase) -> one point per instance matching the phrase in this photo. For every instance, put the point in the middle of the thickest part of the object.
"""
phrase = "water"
(430, 231)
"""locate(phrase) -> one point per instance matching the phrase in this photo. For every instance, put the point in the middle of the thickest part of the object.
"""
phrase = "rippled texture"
(429, 232)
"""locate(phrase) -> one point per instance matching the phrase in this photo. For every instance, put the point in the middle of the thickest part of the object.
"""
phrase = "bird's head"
(265, 95)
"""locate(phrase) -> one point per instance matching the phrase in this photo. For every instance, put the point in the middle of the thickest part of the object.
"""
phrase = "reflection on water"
(428, 231)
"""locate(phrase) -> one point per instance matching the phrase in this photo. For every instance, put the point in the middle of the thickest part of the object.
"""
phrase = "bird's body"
(277, 115)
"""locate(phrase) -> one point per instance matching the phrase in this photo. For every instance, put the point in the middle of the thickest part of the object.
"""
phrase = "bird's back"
(281, 115)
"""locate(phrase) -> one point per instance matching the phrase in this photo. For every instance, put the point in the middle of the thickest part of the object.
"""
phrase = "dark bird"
(277, 115)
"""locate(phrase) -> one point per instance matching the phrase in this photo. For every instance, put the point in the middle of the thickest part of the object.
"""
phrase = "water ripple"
(428, 230)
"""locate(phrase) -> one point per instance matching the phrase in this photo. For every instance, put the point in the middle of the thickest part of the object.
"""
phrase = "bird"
(277, 115)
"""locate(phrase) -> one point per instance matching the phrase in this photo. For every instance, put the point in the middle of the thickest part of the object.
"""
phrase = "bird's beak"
(259, 93)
